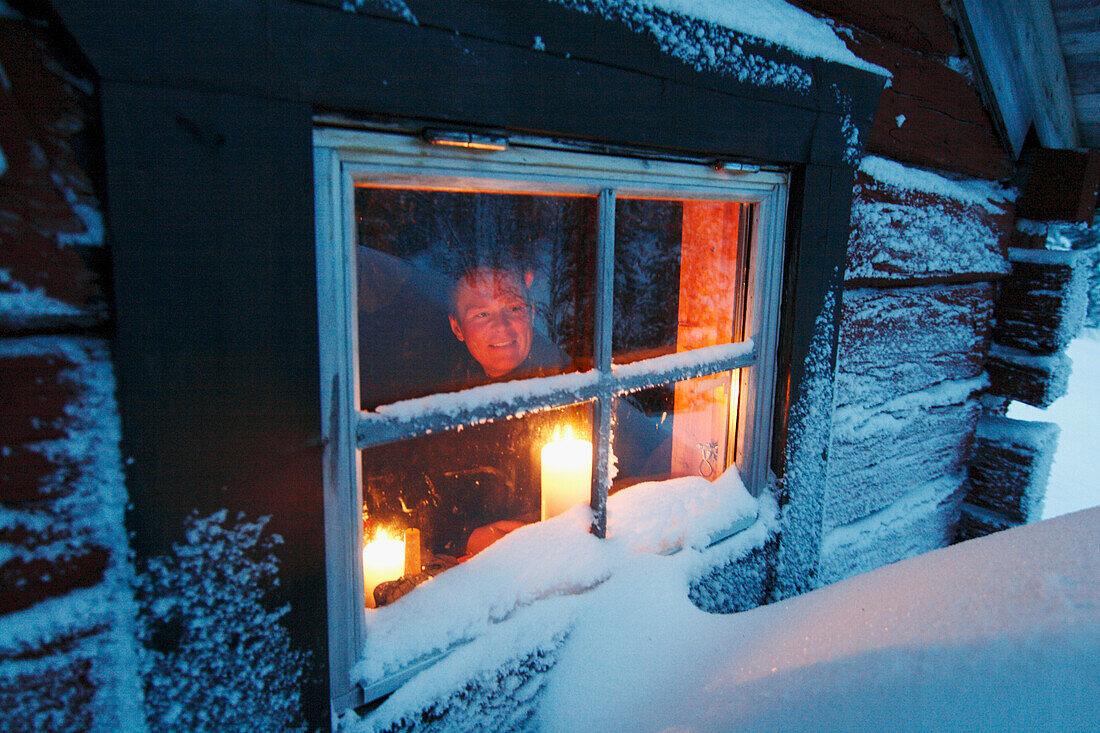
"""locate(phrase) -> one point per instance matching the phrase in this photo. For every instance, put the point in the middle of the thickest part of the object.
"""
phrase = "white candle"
(383, 559)
(566, 475)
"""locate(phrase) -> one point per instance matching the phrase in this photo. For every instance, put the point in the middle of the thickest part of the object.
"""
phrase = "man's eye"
(480, 314)
(518, 309)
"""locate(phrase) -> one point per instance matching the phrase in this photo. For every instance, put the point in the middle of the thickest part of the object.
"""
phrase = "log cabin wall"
(930, 229)
(66, 646)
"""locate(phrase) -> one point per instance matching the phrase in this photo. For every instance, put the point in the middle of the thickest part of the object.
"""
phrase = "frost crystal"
(217, 658)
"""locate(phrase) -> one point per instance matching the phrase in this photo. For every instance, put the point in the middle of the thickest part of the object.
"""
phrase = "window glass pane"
(463, 489)
(678, 281)
(682, 429)
(459, 288)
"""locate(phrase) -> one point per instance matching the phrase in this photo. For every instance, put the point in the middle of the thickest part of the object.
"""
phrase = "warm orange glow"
(383, 559)
(566, 473)
(708, 301)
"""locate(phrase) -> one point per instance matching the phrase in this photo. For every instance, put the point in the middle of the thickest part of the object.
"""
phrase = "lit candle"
(566, 474)
(383, 559)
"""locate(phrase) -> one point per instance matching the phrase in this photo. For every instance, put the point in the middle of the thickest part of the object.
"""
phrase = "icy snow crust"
(904, 178)
(999, 633)
(556, 559)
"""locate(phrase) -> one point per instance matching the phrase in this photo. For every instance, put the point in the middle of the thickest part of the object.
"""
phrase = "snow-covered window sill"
(551, 567)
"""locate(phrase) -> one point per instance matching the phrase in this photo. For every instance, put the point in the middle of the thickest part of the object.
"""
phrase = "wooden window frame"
(343, 156)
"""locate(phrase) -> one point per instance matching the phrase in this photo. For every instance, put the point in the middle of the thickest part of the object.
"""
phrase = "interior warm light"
(566, 473)
(383, 559)
(458, 139)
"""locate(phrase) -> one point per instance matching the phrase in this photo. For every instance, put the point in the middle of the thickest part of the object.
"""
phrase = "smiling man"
(491, 314)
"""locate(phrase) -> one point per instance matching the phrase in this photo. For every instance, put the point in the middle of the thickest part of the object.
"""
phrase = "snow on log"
(910, 225)
(1010, 466)
(923, 520)
(900, 341)
(946, 126)
(1035, 380)
(66, 610)
(880, 454)
(1043, 301)
(52, 259)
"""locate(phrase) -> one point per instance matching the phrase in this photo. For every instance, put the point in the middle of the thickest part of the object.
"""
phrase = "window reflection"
(459, 288)
(682, 429)
(676, 276)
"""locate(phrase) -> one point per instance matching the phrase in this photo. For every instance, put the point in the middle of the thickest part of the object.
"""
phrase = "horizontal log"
(878, 456)
(35, 398)
(930, 115)
(1035, 380)
(53, 255)
(1010, 466)
(57, 693)
(917, 24)
(977, 522)
(32, 581)
(1061, 185)
(909, 225)
(1043, 300)
(922, 521)
(900, 341)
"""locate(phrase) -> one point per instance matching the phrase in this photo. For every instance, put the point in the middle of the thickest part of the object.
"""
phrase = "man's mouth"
(504, 345)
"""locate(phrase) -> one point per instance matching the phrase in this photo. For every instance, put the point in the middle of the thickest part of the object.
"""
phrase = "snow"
(989, 195)
(684, 360)
(999, 633)
(503, 393)
(471, 600)
(1073, 483)
(711, 48)
(773, 21)
(19, 304)
(90, 505)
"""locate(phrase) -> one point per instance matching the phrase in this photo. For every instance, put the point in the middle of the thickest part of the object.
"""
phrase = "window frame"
(534, 165)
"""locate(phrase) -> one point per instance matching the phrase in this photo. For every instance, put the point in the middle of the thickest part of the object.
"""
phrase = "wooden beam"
(1018, 375)
(1016, 50)
(1043, 301)
(1010, 465)
(1062, 185)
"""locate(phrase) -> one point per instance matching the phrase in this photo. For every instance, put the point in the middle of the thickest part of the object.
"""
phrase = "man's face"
(492, 317)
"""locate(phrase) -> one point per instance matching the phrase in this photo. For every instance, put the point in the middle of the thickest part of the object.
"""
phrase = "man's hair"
(472, 273)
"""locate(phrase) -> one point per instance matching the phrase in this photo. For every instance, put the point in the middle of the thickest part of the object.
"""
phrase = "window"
(507, 333)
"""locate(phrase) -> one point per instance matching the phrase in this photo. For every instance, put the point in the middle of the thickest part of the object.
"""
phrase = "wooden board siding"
(904, 237)
(897, 342)
(920, 25)
(47, 246)
(945, 125)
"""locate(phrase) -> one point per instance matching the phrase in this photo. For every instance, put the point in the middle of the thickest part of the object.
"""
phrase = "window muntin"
(346, 160)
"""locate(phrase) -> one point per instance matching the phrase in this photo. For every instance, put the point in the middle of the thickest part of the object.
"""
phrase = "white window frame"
(343, 156)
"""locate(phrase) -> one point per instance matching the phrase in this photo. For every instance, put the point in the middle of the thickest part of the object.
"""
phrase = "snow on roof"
(773, 22)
